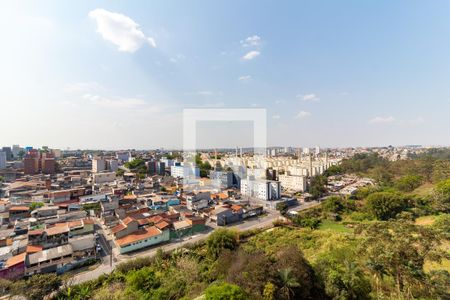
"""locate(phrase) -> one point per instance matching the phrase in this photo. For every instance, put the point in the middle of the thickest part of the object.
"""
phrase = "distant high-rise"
(16, 149)
(2, 160)
(8, 152)
(35, 163)
(98, 165)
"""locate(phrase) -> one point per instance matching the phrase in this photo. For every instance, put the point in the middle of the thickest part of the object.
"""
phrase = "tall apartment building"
(35, 163)
(16, 149)
(293, 183)
(222, 179)
(2, 160)
(261, 189)
(184, 171)
(9, 155)
(98, 165)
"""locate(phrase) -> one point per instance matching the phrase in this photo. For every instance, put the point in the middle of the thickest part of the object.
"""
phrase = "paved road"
(106, 267)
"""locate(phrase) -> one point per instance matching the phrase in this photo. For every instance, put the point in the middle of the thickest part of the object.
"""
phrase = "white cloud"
(276, 117)
(177, 58)
(303, 114)
(204, 93)
(120, 30)
(120, 103)
(83, 87)
(251, 41)
(244, 77)
(309, 97)
(251, 55)
(382, 120)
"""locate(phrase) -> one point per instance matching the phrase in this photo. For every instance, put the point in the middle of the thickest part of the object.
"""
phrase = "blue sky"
(102, 74)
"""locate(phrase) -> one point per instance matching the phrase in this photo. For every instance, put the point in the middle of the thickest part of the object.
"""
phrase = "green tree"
(35, 205)
(441, 201)
(386, 205)
(39, 286)
(333, 204)
(288, 283)
(397, 251)
(342, 276)
(225, 291)
(333, 170)
(219, 240)
(318, 186)
(142, 280)
(409, 183)
(282, 208)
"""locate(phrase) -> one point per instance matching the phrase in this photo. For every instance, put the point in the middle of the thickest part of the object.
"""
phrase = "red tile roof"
(17, 259)
(19, 208)
(162, 225)
(127, 220)
(33, 249)
(138, 236)
(118, 228)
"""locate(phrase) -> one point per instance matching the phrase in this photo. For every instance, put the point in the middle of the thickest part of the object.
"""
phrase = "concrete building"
(112, 165)
(123, 156)
(142, 238)
(105, 177)
(184, 171)
(198, 201)
(2, 160)
(222, 179)
(16, 149)
(35, 163)
(98, 165)
(9, 155)
(261, 189)
(293, 183)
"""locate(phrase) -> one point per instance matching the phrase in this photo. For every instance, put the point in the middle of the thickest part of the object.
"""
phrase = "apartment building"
(293, 183)
(261, 189)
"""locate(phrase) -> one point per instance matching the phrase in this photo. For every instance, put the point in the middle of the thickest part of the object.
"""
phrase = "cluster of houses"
(49, 222)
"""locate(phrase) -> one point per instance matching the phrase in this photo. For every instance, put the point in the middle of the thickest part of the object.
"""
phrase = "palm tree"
(288, 283)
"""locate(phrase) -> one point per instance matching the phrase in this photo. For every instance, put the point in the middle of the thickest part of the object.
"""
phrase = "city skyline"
(100, 75)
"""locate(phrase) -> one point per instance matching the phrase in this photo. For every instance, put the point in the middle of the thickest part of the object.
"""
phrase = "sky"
(118, 74)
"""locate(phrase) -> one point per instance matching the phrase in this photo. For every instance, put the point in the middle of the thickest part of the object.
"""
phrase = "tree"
(288, 282)
(249, 270)
(225, 291)
(219, 240)
(143, 281)
(441, 201)
(409, 183)
(342, 276)
(290, 257)
(333, 204)
(282, 208)
(39, 286)
(333, 170)
(35, 205)
(318, 186)
(398, 251)
(386, 205)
